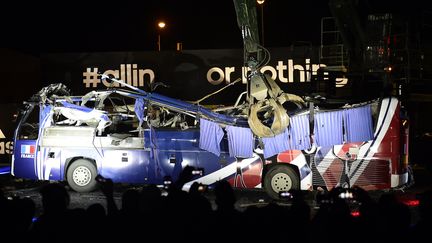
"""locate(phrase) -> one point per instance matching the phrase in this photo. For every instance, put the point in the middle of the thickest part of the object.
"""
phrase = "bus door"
(25, 138)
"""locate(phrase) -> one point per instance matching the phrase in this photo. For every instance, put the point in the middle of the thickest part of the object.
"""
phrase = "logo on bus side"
(27, 151)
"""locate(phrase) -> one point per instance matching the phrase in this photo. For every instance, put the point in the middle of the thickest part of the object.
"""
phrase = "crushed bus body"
(132, 136)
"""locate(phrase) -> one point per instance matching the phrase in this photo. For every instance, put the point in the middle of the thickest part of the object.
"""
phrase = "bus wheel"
(81, 176)
(280, 179)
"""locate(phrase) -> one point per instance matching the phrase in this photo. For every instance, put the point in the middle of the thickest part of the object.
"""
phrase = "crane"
(266, 115)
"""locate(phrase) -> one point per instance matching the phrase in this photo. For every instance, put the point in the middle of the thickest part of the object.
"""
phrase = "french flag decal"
(27, 149)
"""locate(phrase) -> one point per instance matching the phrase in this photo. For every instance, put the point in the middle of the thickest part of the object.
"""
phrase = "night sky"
(131, 25)
(65, 26)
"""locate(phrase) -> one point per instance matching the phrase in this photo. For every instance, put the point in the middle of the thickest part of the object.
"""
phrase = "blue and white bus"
(132, 136)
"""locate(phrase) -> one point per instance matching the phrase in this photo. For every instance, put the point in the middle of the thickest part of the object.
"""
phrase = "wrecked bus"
(132, 136)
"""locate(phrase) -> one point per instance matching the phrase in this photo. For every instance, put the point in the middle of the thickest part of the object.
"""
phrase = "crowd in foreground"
(148, 215)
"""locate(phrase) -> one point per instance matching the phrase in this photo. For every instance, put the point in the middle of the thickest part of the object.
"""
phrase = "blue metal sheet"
(276, 144)
(240, 141)
(358, 124)
(299, 130)
(24, 165)
(328, 128)
(211, 135)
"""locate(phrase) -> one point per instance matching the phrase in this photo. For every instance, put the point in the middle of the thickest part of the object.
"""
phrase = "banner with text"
(186, 75)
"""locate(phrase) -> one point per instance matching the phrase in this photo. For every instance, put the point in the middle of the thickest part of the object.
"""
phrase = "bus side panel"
(23, 164)
(130, 166)
(394, 148)
(120, 165)
(376, 158)
(245, 173)
(50, 159)
(394, 138)
(175, 149)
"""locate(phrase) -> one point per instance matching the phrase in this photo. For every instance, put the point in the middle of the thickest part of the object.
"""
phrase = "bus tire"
(81, 175)
(280, 178)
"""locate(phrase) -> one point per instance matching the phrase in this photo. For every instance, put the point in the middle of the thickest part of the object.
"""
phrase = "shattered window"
(30, 124)
(121, 112)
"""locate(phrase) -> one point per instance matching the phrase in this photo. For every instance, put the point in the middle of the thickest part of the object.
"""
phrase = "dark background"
(131, 25)
(30, 29)
(39, 26)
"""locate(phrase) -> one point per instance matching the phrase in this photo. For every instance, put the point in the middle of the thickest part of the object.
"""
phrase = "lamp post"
(261, 3)
(160, 25)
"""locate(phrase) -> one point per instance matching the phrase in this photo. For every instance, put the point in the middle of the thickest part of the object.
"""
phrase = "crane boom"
(266, 115)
